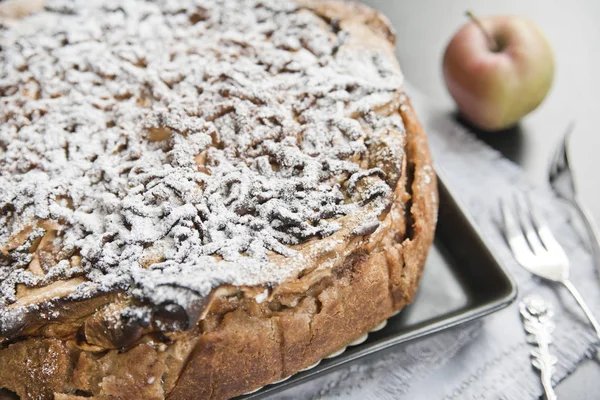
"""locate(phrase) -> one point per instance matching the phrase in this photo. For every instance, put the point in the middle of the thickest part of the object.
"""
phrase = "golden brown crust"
(246, 351)
(13, 9)
(241, 345)
(369, 287)
(356, 12)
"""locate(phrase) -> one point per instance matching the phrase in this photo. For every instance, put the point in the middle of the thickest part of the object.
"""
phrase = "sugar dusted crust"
(245, 337)
(250, 350)
(247, 346)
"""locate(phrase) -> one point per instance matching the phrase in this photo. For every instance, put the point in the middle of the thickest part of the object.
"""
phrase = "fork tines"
(528, 236)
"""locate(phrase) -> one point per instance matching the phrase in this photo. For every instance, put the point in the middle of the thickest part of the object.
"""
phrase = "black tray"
(462, 281)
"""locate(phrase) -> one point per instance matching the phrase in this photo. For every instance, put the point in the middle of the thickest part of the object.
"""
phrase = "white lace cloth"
(487, 358)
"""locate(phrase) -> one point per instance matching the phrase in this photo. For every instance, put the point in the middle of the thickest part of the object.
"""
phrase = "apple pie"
(199, 198)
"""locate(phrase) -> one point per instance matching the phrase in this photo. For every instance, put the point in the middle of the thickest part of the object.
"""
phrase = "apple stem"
(492, 43)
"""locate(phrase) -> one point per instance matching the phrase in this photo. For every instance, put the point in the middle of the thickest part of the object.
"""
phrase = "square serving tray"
(462, 281)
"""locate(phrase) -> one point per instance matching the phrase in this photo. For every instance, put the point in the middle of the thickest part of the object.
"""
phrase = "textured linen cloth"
(487, 358)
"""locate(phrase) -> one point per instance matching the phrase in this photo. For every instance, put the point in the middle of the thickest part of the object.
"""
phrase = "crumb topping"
(163, 148)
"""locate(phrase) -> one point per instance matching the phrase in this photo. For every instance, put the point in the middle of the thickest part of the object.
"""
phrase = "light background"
(424, 27)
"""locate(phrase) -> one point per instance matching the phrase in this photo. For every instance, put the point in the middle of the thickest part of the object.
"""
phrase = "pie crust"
(239, 338)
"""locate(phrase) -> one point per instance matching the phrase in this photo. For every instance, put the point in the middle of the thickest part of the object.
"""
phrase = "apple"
(498, 69)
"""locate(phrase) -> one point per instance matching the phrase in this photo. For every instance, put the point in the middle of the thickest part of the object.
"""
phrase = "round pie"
(199, 198)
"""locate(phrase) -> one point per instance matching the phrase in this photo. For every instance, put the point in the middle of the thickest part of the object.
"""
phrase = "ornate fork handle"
(546, 368)
(537, 320)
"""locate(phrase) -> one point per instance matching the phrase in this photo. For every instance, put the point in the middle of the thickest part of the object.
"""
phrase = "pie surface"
(200, 198)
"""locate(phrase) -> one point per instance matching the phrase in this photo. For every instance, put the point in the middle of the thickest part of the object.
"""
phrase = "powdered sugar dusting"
(178, 145)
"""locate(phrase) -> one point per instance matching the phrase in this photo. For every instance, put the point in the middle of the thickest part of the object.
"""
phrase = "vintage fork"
(534, 247)
(563, 184)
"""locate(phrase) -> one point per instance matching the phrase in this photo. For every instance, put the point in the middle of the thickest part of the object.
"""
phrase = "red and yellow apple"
(498, 69)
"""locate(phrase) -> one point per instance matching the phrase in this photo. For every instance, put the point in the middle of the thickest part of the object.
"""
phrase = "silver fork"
(563, 184)
(534, 247)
